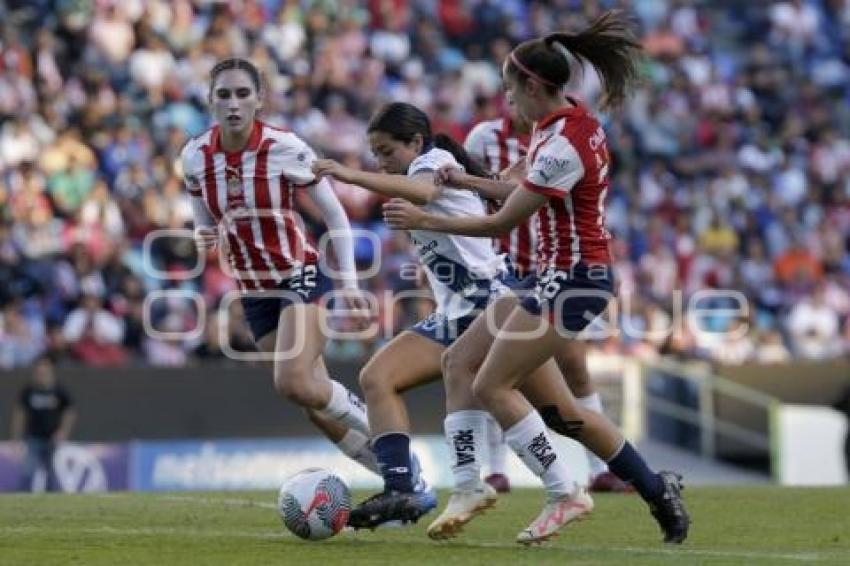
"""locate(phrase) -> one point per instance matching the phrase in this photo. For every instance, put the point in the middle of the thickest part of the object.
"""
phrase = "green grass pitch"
(764, 525)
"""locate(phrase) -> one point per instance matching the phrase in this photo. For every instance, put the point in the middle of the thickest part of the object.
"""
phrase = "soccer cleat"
(557, 513)
(669, 509)
(607, 482)
(390, 505)
(499, 482)
(463, 506)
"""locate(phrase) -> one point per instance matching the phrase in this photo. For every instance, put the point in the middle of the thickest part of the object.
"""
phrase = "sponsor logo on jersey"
(597, 139)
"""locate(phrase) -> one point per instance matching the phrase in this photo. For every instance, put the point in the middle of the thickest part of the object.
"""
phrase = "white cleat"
(556, 514)
(462, 507)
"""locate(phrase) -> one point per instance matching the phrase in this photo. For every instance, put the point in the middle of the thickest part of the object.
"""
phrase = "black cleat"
(669, 509)
(388, 506)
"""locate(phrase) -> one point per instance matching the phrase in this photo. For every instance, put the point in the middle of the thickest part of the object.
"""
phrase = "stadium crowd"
(732, 162)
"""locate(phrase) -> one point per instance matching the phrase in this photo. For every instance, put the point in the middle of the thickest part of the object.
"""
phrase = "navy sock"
(393, 453)
(630, 467)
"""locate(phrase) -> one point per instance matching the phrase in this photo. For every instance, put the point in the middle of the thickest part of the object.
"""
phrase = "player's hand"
(332, 168)
(449, 175)
(400, 214)
(516, 172)
(358, 309)
(205, 238)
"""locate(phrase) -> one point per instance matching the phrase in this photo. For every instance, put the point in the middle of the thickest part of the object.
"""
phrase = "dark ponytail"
(470, 164)
(609, 45)
(403, 121)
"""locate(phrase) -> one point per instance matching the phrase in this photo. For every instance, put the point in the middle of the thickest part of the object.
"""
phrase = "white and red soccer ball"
(314, 504)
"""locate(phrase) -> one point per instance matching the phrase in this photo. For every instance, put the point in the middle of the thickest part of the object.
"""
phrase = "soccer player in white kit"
(464, 274)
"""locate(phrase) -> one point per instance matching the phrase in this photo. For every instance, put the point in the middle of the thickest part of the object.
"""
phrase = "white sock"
(593, 403)
(465, 434)
(355, 445)
(346, 408)
(530, 440)
(497, 450)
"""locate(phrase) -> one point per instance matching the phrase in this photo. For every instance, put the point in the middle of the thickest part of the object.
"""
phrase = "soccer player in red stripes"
(565, 183)
(242, 175)
(500, 144)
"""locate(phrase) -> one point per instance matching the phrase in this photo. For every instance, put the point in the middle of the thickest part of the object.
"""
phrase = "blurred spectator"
(770, 349)
(21, 340)
(93, 334)
(42, 418)
(814, 327)
(731, 161)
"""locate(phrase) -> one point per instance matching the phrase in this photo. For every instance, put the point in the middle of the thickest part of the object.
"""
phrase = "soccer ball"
(314, 504)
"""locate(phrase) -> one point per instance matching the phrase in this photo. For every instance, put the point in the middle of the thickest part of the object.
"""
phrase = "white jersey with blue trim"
(460, 269)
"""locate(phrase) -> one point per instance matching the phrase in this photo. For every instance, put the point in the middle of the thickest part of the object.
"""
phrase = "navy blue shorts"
(445, 332)
(263, 313)
(442, 330)
(572, 299)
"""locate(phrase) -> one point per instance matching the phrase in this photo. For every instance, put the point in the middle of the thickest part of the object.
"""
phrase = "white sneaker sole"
(450, 527)
(575, 513)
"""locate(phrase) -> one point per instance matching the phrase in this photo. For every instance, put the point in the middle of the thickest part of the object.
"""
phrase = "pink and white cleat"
(557, 513)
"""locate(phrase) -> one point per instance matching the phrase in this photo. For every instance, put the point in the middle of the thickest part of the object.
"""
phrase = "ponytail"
(469, 163)
(609, 45)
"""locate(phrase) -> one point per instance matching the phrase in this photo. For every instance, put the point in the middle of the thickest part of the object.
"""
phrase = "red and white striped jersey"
(250, 195)
(496, 145)
(568, 162)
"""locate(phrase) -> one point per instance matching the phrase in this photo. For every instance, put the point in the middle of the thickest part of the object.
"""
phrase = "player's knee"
(372, 383)
(485, 394)
(294, 385)
(453, 368)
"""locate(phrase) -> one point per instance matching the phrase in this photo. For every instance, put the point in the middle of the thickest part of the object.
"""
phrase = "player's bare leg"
(301, 376)
(409, 360)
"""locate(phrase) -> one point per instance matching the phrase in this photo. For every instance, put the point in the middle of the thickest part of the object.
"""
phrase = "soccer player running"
(242, 175)
(464, 273)
(565, 183)
(501, 144)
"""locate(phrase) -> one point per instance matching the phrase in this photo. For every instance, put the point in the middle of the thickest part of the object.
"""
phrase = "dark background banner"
(210, 401)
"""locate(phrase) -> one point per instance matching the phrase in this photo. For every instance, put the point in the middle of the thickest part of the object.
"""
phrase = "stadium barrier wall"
(216, 400)
(230, 464)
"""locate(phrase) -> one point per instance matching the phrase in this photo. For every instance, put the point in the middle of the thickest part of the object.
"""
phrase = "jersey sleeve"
(297, 161)
(556, 168)
(432, 161)
(189, 170)
(476, 142)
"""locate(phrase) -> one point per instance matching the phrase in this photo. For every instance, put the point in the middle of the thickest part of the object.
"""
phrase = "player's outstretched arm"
(493, 189)
(417, 189)
(339, 227)
(521, 204)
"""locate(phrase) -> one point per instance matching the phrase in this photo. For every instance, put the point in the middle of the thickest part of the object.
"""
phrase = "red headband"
(529, 72)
